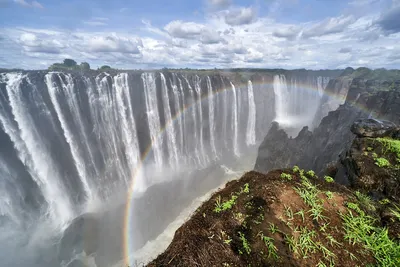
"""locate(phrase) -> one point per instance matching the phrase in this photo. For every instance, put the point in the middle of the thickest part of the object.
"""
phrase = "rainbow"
(127, 239)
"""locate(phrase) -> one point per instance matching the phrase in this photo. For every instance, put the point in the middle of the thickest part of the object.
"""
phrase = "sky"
(147, 34)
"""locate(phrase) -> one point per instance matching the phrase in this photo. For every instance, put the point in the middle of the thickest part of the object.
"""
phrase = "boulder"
(79, 237)
(375, 128)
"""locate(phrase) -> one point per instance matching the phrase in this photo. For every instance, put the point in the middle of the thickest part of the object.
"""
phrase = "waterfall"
(129, 132)
(200, 110)
(225, 113)
(182, 116)
(150, 92)
(194, 118)
(71, 138)
(33, 151)
(251, 121)
(169, 125)
(177, 91)
(211, 116)
(235, 122)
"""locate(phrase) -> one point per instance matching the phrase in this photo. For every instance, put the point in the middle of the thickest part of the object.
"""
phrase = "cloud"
(114, 44)
(33, 4)
(390, 20)
(184, 30)
(240, 16)
(96, 21)
(219, 4)
(289, 33)
(363, 3)
(345, 50)
(328, 26)
(210, 37)
(32, 43)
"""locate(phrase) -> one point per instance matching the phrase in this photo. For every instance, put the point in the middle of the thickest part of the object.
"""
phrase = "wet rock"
(375, 128)
(79, 237)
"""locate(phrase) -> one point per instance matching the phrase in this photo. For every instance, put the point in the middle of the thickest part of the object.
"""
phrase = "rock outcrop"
(372, 164)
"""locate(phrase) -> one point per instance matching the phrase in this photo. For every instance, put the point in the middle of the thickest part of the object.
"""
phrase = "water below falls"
(76, 147)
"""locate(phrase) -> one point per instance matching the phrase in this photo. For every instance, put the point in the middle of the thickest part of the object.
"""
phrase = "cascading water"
(251, 122)
(170, 128)
(70, 140)
(150, 92)
(235, 122)
(211, 115)
(297, 103)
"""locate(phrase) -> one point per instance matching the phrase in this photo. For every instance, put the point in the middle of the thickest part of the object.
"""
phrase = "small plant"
(301, 214)
(286, 176)
(227, 205)
(328, 179)
(382, 162)
(365, 201)
(296, 169)
(273, 228)
(369, 148)
(311, 173)
(288, 212)
(245, 244)
(268, 241)
(333, 241)
(374, 155)
(246, 189)
(384, 201)
(396, 212)
(292, 243)
(259, 219)
(329, 195)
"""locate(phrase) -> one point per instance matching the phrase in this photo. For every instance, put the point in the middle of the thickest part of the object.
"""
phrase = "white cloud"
(42, 44)
(114, 43)
(240, 16)
(33, 4)
(328, 26)
(185, 30)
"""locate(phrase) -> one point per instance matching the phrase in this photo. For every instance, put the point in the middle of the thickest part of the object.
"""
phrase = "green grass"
(309, 193)
(310, 173)
(288, 212)
(286, 176)
(329, 179)
(296, 169)
(382, 162)
(365, 201)
(226, 205)
(269, 243)
(273, 228)
(329, 194)
(245, 244)
(361, 229)
(396, 212)
(301, 214)
(390, 145)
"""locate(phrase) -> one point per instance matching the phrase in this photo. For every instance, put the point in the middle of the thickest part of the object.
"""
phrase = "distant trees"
(85, 66)
(105, 67)
(69, 64)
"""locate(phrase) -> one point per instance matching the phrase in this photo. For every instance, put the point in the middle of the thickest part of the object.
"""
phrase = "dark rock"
(80, 236)
(375, 128)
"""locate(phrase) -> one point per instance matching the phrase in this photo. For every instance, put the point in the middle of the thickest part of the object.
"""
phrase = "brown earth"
(233, 237)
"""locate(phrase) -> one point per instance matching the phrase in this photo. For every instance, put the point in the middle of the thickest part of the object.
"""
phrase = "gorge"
(126, 151)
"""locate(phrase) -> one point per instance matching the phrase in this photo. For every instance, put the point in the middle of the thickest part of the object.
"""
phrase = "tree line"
(70, 64)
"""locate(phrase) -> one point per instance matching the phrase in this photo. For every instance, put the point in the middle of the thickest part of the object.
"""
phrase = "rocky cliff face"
(319, 150)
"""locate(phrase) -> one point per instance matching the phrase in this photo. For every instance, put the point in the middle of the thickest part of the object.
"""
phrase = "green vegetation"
(311, 173)
(390, 145)
(226, 205)
(328, 179)
(286, 176)
(329, 194)
(365, 201)
(309, 193)
(245, 244)
(268, 241)
(396, 212)
(382, 162)
(69, 64)
(361, 229)
(105, 67)
(296, 169)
